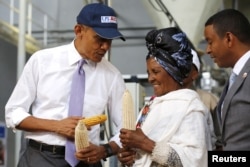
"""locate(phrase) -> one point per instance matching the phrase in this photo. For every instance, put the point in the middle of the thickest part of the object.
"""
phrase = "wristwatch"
(108, 150)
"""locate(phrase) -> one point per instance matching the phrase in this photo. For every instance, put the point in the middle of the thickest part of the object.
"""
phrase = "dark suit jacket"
(234, 123)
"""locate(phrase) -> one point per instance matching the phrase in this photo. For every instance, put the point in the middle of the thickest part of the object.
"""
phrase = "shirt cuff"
(16, 117)
(116, 139)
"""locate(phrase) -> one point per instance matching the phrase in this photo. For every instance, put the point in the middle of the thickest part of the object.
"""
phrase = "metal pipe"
(108, 54)
(29, 18)
(21, 38)
(45, 30)
(20, 62)
(12, 12)
(235, 4)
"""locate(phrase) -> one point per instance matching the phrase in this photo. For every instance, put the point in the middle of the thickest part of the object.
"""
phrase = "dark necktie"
(75, 108)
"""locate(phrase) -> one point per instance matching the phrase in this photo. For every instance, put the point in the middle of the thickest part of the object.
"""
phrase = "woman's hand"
(136, 139)
(126, 156)
(132, 138)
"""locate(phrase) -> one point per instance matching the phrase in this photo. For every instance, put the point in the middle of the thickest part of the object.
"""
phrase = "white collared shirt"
(240, 63)
(45, 87)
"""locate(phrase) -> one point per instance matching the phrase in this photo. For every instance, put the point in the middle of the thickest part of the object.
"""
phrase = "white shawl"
(177, 120)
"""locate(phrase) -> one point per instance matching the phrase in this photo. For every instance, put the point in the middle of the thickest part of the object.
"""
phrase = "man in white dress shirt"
(44, 87)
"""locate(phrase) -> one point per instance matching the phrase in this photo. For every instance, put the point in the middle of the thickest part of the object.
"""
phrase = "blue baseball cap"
(101, 18)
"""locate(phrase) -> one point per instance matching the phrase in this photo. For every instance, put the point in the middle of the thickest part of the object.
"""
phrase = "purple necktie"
(75, 108)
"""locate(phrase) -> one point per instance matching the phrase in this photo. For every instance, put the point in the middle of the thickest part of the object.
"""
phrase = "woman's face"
(161, 81)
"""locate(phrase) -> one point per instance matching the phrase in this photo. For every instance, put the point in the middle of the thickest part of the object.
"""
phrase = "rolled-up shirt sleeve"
(15, 116)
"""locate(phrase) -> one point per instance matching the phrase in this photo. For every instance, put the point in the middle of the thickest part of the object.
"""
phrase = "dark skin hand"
(91, 154)
(68, 130)
(64, 127)
(136, 139)
(126, 156)
(132, 140)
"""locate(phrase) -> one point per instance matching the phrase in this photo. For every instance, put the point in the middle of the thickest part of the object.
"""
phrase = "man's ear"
(229, 38)
(77, 29)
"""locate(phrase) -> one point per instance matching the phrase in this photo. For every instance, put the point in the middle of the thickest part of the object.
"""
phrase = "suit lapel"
(236, 85)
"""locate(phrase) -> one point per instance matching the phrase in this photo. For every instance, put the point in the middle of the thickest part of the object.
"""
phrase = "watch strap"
(108, 149)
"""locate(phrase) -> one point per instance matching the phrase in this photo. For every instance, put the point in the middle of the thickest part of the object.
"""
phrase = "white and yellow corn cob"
(81, 136)
(91, 121)
(128, 113)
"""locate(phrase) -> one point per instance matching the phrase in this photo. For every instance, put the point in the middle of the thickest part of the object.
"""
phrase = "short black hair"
(231, 20)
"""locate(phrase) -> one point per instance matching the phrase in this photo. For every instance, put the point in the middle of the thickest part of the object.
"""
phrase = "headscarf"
(171, 49)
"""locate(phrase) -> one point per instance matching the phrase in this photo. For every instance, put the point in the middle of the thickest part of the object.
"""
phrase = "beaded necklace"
(144, 113)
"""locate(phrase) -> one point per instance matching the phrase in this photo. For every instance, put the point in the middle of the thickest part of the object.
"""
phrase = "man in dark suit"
(228, 36)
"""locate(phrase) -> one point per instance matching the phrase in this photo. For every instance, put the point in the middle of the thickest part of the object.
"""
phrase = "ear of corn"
(128, 113)
(81, 136)
(91, 121)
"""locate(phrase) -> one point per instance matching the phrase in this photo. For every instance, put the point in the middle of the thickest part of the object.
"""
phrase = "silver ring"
(120, 155)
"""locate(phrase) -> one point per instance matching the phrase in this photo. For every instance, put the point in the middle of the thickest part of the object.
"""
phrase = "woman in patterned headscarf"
(171, 129)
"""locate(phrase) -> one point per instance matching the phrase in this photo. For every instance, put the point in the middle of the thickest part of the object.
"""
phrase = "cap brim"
(109, 33)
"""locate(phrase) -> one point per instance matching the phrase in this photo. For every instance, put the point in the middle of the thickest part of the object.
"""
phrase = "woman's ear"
(194, 73)
(195, 76)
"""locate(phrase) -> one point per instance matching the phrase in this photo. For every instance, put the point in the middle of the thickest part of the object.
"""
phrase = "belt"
(55, 149)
